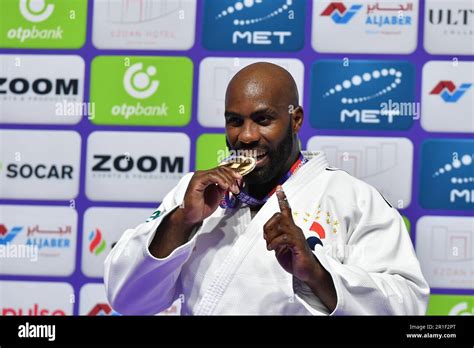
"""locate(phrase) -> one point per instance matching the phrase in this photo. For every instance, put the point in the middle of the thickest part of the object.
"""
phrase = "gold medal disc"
(243, 165)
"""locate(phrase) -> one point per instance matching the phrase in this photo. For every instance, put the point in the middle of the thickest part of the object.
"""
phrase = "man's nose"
(249, 133)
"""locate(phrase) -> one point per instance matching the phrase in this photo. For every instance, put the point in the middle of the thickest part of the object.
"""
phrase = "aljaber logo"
(339, 13)
(6, 235)
(362, 95)
(35, 10)
(447, 174)
(97, 243)
(138, 83)
(449, 92)
(252, 25)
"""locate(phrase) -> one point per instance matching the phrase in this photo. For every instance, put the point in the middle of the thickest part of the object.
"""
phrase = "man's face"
(257, 121)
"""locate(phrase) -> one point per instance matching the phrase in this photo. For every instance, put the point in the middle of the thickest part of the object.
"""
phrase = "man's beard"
(278, 158)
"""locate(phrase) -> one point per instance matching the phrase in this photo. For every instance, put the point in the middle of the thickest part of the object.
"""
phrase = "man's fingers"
(281, 240)
(270, 229)
(283, 201)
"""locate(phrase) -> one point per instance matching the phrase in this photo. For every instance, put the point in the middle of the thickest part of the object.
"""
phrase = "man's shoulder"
(348, 183)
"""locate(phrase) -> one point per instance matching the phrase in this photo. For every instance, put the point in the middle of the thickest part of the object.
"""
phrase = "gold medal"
(243, 165)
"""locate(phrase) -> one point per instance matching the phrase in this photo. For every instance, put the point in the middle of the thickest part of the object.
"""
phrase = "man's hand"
(203, 195)
(294, 255)
(287, 239)
(205, 191)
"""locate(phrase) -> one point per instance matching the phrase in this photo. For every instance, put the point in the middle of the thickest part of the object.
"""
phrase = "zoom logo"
(36, 10)
(138, 83)
(135, 166)
(145, 164)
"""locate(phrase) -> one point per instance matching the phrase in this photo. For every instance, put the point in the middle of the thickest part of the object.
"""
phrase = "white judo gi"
(225, 267)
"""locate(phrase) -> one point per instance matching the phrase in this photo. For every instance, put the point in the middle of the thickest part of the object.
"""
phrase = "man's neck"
(259, 191)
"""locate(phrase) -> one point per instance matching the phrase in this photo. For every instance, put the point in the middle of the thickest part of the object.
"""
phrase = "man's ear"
(297, 117)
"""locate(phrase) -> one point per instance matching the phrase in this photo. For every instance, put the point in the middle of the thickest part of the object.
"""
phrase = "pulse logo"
(97, 243)
(448, 91)
(356, 96)
(447, 165)
(6, 235)
(253, 25)
(339, 13)
(138, 83)
(36, 10)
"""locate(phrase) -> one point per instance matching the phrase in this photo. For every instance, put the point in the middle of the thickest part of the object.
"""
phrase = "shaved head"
(271, 78)
(263, 115)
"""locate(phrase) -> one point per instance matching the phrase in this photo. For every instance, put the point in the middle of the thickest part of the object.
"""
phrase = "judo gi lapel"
(253, 231)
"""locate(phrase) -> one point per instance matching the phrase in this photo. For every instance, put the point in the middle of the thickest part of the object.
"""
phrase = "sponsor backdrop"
(106, 104)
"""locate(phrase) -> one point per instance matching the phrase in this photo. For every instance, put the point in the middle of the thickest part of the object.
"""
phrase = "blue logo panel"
(363, 94)
(254, 25)
(447, 174)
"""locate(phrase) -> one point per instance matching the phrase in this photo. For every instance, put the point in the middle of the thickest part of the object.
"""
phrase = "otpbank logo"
(363, 94)
(449, 92)
(450, 305)
(254, 25)
(145, 91)
(447, 174)
(43, 23)
(339, 13)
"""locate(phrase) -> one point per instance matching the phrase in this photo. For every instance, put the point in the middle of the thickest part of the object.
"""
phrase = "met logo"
(253, 25)
(355, 95)
(339, 13)
(447, 174)
(448, 91)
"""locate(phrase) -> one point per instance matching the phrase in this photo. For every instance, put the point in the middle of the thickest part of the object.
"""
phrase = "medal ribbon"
(229, 202)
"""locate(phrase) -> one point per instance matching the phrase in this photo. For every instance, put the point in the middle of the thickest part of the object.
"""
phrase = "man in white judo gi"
(301, 238)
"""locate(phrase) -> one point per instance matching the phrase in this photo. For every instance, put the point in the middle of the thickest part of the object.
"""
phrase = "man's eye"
(233, 120)
(263, 119)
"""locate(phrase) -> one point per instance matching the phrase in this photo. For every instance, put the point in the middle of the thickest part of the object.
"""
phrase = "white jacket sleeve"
(379, 273)
(136, 282)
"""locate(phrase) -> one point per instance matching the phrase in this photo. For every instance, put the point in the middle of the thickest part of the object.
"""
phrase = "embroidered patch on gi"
(319, 223)
(153, 216)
